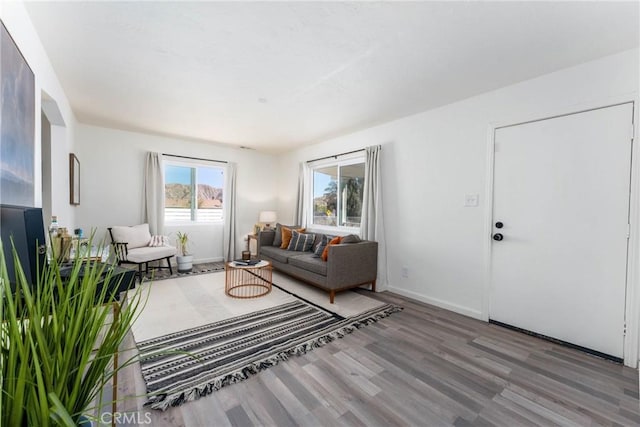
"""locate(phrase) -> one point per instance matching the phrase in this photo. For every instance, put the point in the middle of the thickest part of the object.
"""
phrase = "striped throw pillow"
(324, 241)
(301, 242)
(158, 241)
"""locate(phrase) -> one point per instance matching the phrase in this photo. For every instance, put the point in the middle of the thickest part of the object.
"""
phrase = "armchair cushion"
(136, 236)
(148, 253)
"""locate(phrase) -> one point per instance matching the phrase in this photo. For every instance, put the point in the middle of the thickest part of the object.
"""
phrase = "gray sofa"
(348, 265)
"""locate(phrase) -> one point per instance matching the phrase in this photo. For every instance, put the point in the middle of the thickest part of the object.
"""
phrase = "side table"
(247, 281)
(80, 249)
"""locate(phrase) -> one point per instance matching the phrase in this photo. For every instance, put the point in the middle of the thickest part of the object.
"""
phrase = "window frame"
(358, 158)
(194, 164)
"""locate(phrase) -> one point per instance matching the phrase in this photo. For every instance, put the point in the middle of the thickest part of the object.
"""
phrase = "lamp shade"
(267, 217)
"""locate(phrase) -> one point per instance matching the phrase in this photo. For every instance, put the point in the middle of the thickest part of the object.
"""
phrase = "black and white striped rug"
(187, 365)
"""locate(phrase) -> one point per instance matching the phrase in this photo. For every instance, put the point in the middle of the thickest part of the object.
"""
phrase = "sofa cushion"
(277, 240)
(301, 242)
(350, 238)
(324, 241)
(334, 241)
(280, 255)
(286, 236)
(136, 236)
(310, 263)
(149, 253)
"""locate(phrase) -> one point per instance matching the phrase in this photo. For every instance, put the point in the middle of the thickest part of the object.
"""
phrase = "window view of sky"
(320, 182)
(182, 175)
(177, 175)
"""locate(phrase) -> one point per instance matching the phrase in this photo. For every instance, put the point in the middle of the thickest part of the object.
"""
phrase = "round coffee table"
(247, 281)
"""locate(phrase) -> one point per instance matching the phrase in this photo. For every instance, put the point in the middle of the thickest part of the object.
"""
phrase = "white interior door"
(561, 190)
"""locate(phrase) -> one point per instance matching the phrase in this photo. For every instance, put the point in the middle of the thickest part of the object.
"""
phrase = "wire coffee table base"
(247, 281)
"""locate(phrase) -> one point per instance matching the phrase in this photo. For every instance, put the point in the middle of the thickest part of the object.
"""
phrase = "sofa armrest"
(265, 238)
(352, 263)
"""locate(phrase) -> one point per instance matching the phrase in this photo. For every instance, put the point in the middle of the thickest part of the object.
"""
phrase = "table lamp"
(267, 217)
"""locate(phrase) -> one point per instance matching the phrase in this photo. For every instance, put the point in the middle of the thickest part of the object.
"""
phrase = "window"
(192, 192)
(337, 194)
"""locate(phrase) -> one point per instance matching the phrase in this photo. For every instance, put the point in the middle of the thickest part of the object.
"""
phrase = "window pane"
(351, 190)
(325, 195)
(193, 193)
(178, 194)
(210, 185)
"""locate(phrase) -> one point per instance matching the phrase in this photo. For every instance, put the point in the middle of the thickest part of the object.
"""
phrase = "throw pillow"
(277, 240)
(301, 242)
(350, 238)
(324, 241)
(158, 241)
(286, 236)
(334, 241)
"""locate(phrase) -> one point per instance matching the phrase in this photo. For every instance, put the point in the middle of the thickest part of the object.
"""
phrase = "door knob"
(498, 237)
(499, 224)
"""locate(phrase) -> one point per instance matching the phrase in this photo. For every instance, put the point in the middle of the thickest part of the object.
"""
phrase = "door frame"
(632, 301)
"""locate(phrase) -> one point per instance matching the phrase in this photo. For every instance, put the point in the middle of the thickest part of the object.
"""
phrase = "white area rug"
(187, 302)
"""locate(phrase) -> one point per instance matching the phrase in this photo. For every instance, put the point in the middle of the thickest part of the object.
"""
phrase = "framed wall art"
(17, 125)
(74, 179)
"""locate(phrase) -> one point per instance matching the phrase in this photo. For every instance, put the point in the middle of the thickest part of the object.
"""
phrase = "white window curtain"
(153, 194)
(230, 217)
(300, 217)
(372, 221)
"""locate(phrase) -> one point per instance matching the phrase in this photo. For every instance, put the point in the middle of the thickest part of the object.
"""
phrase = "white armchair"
(133, 245)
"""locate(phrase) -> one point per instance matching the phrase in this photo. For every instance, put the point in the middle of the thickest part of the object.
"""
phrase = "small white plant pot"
(185, 263)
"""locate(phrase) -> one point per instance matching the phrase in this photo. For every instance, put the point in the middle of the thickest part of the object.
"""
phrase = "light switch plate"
(471, 200)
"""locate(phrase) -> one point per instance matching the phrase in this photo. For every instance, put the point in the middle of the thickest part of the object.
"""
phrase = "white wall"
(432, 159)
(19, 25)
(112, 162)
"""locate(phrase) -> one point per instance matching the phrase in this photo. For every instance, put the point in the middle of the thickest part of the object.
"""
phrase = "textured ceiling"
(274, 76)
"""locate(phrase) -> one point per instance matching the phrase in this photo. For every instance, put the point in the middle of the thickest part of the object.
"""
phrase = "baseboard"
(476, 314)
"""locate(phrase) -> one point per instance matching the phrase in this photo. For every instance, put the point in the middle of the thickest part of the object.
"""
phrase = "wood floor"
(423, 366)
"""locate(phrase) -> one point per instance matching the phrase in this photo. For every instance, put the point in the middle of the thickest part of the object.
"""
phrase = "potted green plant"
(58, 341)
(184, 258)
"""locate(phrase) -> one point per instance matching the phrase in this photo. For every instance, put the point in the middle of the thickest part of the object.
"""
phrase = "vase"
(185, 263)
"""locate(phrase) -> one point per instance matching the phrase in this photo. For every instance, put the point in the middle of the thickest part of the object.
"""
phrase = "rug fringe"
(164, 401)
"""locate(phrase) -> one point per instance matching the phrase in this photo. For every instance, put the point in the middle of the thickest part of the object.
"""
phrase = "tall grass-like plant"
(57, 341)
